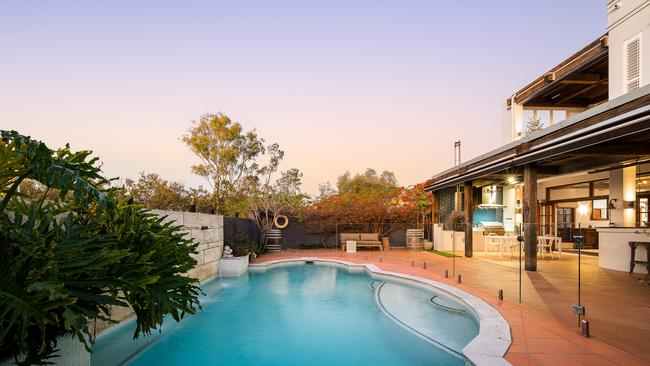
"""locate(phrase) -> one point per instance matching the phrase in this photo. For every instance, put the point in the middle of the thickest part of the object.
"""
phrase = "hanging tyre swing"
(281, 221)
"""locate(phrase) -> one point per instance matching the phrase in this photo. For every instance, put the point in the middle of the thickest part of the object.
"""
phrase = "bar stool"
(633, 262)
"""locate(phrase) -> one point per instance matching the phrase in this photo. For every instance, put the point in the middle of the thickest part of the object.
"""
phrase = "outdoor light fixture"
(611, 205)
(511, 179)
(518, 208)
(628, 204)
(583, 209)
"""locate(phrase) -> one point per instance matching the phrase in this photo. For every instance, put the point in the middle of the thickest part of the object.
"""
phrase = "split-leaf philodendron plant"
(77, 248)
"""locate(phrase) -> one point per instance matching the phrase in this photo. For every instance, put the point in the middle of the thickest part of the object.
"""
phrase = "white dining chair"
(511, 245)
(543, 243)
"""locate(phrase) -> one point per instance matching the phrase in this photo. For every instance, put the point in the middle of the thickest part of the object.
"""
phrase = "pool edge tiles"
(487, 348)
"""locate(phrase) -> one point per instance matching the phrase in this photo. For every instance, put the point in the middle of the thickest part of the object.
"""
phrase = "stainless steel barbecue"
(492, 228)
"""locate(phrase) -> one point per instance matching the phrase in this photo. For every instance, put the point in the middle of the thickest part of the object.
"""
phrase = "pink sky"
(340, 86)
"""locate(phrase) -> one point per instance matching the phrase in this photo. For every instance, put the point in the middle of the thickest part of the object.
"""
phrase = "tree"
(361, 199)
(65, 259)
(370, 202)
(325, 190)
(534, 124)
(413, 204)
(269, 196)
(228, 154)
(369, 180)
(155, 192)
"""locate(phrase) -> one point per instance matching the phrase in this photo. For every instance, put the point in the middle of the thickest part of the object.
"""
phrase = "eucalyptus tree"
(228, 154)
(74, 248)
(369, 180)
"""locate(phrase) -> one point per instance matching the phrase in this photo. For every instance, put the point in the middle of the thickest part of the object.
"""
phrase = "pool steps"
(432, 300)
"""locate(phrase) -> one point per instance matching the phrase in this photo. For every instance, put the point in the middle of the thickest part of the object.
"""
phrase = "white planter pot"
(233, 267)
(428, 245)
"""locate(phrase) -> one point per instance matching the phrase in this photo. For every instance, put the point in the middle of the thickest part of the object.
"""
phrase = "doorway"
(546, 217)
(642, 209)
(565, 223)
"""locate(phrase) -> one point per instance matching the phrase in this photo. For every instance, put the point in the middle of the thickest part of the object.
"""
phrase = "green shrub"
(242, 246)
(242, 249)
(71, 252)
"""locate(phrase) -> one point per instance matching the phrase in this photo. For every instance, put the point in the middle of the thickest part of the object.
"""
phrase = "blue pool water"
(303, 315)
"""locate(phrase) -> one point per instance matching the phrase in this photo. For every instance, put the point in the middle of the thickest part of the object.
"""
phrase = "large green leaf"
(67, 257)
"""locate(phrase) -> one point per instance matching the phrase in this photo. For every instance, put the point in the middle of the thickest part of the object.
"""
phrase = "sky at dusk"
(340, 85)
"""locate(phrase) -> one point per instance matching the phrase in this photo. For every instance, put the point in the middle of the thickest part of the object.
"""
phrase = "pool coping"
(487, 348)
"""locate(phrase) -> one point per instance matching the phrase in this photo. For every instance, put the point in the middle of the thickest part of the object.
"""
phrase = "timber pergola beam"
(567, 72)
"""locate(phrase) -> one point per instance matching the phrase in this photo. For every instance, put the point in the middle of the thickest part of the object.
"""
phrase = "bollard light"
(424, 265)
(500, 294)
(585, 328)
(446, 273)
(459, 279)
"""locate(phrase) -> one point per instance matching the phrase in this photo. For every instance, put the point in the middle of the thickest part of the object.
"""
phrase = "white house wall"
(626, 18)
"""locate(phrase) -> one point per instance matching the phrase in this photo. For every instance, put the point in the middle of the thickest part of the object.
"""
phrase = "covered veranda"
(611, 137)
(611, 140)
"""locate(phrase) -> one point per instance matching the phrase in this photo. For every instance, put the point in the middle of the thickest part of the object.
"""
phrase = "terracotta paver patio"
(544, 329)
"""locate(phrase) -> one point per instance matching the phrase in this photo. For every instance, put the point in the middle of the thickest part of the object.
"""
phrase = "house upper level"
(612, 65)
(573, 86)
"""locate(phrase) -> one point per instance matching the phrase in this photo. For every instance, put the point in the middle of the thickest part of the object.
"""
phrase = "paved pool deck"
(544, 330)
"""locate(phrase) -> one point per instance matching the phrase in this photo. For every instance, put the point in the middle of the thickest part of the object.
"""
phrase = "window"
(579, 191)
(599, 209)
(542, 118)
(643, 185)
(632, 63)
(643, 211)
(568, 192)
(643, 200)
(601, 187)
(559, 115)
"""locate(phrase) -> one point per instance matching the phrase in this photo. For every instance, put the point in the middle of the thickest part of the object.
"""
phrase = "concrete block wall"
(207, 231)
(71, 353)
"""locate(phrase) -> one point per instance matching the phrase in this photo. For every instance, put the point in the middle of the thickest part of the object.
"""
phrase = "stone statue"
(227, 252)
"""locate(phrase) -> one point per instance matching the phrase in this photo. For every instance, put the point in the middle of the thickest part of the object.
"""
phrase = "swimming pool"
(300, 314)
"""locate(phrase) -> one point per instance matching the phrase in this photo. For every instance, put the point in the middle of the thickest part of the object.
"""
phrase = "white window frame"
(625, 44)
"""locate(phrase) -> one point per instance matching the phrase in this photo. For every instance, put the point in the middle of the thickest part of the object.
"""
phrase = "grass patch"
(444, 254)
(311, 246)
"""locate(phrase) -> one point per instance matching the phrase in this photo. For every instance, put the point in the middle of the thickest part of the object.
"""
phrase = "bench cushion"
(369, 237)
(349, 236)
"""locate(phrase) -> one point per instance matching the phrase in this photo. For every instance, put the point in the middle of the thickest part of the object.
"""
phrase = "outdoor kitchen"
(494, 216)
